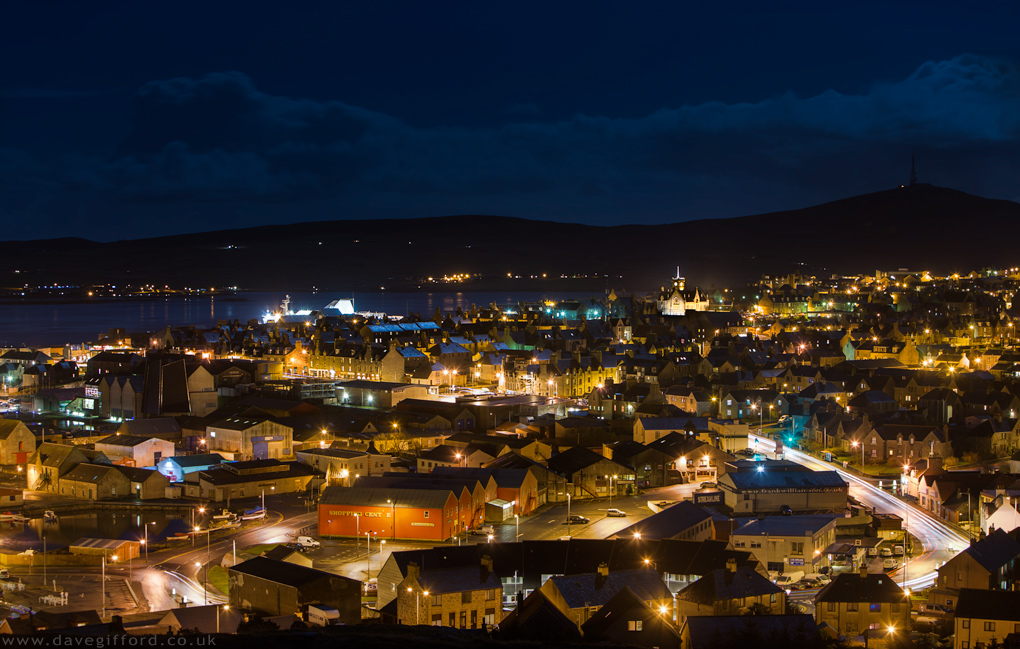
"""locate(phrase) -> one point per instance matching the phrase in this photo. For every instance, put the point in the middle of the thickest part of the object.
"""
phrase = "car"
(616, 513)
(872, 551)
(576, 519)
(783, 419)
(885, 552)
(709, 484)
(935, 609)
(889, 564)
(485, 530)
(785, 510)
(897, 550)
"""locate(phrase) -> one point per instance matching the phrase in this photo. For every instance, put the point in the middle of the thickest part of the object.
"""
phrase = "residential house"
(468, 597)
(586, 473)
(993, 563)
(854, 603)
(985, 618)
(735, 590)
(627, 620)
(738, 632)
(580, 596)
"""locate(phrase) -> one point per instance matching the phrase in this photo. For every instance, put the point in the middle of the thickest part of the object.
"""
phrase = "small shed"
(116, 550)
(498, 511)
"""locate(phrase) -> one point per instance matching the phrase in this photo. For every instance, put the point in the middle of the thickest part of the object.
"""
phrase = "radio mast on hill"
(913, 172)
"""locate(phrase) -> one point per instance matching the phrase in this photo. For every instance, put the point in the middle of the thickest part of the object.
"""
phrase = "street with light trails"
(940, 540)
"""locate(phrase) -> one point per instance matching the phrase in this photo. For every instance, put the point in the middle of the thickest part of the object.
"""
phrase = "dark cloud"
(218, 139)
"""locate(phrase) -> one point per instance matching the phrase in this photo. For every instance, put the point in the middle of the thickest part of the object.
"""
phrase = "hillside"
(917, 227)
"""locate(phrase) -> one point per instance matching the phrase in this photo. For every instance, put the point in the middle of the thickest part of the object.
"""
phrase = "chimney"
(486, 567)
(731, 565)
(864, 571)
(413, 571)
(603, 570)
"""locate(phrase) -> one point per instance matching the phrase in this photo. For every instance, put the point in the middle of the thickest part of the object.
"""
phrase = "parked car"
(785, 510)
(872, 551)
(709, 484)
(783, 419)
(615, 513)
(485, 530)
(889, 564)
(897, 550)
(576, 519)
(935, 609)
(308, 543)
(885, 552)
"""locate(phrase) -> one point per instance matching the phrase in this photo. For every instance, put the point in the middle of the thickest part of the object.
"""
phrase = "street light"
(146, 541)
(225, 607)
(854, 444)
(104, 584)
(568, 514)
(205, 580)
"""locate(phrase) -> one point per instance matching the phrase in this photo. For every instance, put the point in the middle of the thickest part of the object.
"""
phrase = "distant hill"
(918, 227)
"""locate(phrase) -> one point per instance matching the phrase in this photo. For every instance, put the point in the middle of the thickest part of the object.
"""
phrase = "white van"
(322, 615)
(308, 542)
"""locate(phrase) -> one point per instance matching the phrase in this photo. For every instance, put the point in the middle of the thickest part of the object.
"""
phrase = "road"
(182, 572)
(941, 541)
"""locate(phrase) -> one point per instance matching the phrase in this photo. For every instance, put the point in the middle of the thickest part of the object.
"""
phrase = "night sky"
(129, 119)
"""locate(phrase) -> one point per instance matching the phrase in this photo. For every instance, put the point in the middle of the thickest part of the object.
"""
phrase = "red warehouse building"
(388, 513)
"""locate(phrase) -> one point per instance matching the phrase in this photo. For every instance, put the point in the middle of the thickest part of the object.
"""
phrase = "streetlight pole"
(568, 514)
(225, 607)
(517, 523)
(854, 444)
(103, 585)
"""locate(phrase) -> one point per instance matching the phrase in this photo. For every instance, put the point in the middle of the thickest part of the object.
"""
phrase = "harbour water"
(106, 524)
(48, 324)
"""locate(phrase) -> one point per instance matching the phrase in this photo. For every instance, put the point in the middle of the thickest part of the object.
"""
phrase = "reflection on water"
(18, 537)
(35, 324)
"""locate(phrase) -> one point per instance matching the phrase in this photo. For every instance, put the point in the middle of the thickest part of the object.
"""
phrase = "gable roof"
(994, 551)
(593, 589)
(621, 605)
(538, 617)
(989, 604)
(720, 585)
(724, 631)
(668, 523)
(852, 587)
(281, 572)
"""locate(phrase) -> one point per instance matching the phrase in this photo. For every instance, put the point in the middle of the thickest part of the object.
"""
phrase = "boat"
(11, 517)
(224, 514)
(253, 514)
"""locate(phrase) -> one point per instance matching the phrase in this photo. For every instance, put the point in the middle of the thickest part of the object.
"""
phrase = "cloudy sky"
(128, 119)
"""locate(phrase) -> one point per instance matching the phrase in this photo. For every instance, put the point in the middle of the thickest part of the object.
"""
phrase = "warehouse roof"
(784, 480)
(386, 497)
